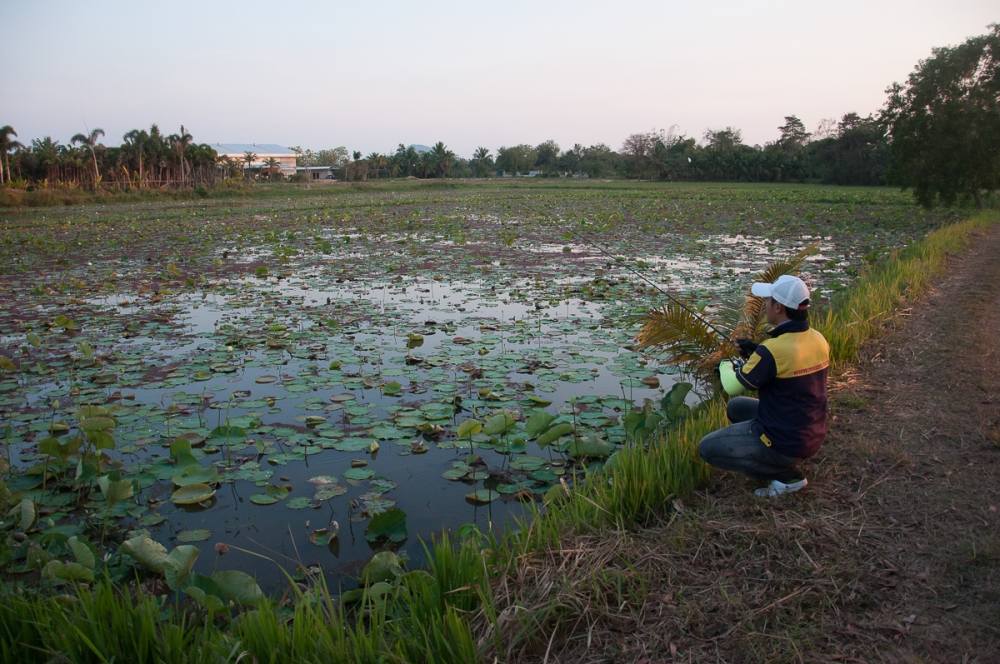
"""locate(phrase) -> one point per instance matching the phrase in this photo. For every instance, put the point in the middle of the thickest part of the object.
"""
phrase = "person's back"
(770, 435)
(789, 370)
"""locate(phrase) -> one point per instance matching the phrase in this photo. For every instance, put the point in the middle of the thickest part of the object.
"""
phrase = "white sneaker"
(776, 488)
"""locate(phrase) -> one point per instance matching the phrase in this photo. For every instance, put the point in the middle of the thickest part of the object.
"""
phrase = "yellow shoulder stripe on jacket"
(799, 353)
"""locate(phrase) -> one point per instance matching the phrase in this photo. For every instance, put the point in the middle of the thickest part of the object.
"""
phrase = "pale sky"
(369, 75)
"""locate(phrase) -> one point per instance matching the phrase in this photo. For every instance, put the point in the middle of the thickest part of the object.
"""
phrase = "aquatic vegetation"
(293, 375)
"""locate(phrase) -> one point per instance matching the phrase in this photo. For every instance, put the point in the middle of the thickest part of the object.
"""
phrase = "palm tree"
(442, 159)
(6, 145)
(249, 158)
(273, 166)
(90, 140)
(136, 141)
(688, 339)
(482, 161)
(180, 142)
(47, 152)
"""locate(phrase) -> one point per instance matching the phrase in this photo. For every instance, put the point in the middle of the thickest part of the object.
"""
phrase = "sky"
(372, 75)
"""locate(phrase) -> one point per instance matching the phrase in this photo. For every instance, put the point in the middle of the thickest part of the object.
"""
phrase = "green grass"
(863, 311)
(428, 614)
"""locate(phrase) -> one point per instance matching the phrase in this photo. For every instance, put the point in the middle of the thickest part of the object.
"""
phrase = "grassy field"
(164, 360)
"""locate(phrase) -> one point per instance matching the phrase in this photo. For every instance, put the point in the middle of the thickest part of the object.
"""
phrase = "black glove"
(747, 348)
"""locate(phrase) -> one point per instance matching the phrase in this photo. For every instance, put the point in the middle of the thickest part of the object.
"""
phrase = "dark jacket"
(789, 372)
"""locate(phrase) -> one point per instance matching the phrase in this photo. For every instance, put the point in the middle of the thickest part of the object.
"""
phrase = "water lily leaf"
(353, 444)
(498, 424)
(65, 322)
(390, 525)
(455, 473)
(358, 474)
(384, 566)
(24, 512)
(263, 499)
(81, 552)
(148, 552)
(538, 422)
(180, 452)
(556, 432)
(69, 572)
(590, 447)
(178, 566)
(299, 503)
(527, 463)
(209, 602)
(328, 491)
(114, 490)
(195, 535)
(238, 586)
(469, 428)
(227, 435)
(192, 494)
(195, 475)
(392, 388)
(482, 496)
(92, 424)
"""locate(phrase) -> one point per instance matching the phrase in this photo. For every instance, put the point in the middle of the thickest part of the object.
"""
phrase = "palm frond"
(680, 332)
(752, 321)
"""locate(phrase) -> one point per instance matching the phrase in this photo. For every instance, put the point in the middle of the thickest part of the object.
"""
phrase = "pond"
(276, 391)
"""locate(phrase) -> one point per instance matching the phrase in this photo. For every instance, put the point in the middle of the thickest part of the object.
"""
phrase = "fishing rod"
(676, 300)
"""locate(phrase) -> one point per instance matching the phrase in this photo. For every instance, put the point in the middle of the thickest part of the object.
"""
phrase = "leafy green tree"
(854, 152)
(944, 123)
(90, 141)
(547, 157)
(516, 159)
(599, 161)
(569, 161)
(793, 134)
(7, 143)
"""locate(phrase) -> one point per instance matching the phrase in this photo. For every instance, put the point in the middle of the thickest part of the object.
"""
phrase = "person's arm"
(759, 370)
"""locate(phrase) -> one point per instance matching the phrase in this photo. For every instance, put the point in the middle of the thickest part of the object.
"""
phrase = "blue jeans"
(738, 448)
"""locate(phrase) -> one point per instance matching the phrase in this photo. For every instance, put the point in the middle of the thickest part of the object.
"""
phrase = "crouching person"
(770, 435)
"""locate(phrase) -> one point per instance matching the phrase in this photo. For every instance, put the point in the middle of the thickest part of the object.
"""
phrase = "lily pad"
(195, 535)
(482, 496)
(390, 525)
(192, 494)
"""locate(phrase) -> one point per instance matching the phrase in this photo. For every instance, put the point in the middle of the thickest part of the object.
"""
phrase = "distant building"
(316, 172)
(264, 151)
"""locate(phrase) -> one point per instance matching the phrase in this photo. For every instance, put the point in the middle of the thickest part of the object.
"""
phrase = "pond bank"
(890, 555)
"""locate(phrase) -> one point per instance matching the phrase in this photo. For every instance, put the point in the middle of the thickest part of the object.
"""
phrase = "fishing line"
(590, 242)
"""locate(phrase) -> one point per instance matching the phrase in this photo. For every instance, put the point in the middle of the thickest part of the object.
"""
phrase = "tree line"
(851, 151)
(144, 158)
(938, 133)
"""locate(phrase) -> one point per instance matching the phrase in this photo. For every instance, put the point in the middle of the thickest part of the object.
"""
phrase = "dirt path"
(892, 553)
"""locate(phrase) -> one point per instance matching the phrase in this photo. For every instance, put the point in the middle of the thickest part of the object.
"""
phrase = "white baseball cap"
(788, 290)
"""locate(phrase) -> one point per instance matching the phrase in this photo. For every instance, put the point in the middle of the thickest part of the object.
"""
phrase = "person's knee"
(707, 449)
(732, 410)
(741, 409)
